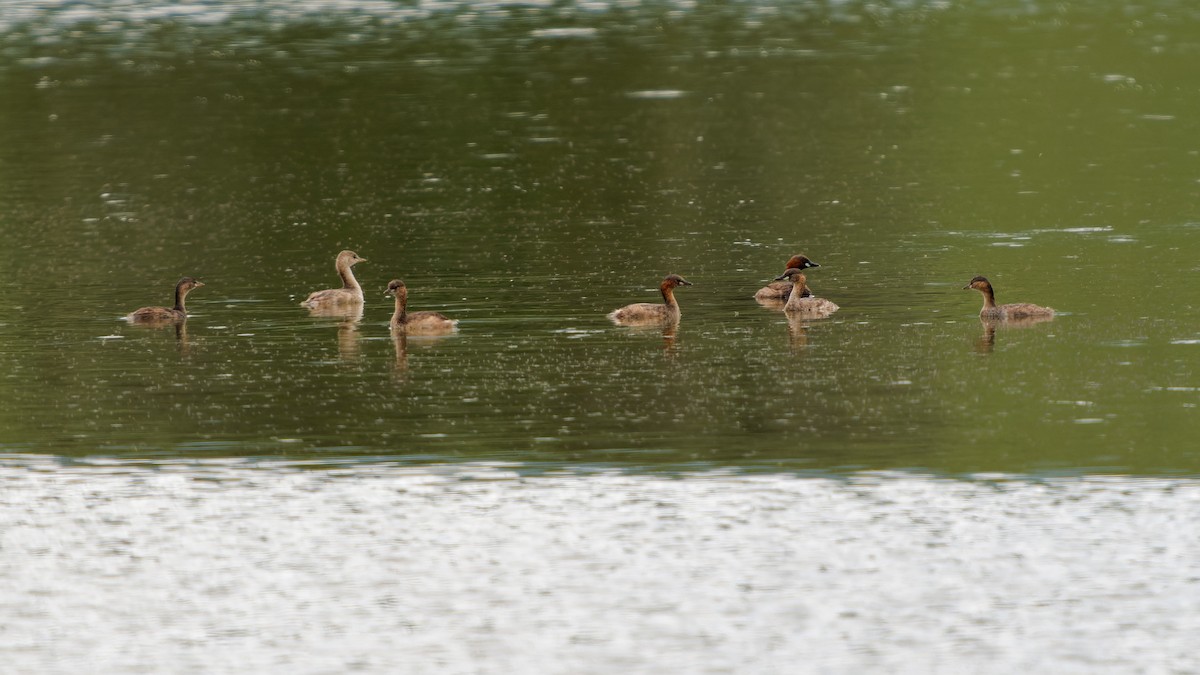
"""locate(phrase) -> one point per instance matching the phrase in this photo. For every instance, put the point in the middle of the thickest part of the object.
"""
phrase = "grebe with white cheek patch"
(782, 290)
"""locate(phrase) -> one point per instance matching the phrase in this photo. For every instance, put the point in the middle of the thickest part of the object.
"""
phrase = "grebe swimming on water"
(643, 313)
(781, 290)
(350, 293)
(165, 314)
(416, 323)
(800, 304)
(1016, 310)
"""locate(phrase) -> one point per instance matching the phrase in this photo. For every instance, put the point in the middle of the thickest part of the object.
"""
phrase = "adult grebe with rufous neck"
(644, 313)
(778, 291)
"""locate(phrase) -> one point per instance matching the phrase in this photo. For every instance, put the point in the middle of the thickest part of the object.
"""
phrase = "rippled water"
(203, 566)
(898, 485)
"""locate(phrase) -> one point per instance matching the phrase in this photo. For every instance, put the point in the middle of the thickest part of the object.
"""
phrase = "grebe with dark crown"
(643, 313)
(416, 323)
(167, 314)
(1016, 310)
(782, 290)
(800, 304)
(350, 293)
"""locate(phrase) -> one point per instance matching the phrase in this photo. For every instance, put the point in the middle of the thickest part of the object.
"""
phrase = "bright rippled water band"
(897, 488)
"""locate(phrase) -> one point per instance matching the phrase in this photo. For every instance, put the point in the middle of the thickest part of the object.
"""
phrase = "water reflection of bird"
(181, 338)
(405, 343)
(778, 291)
(987, 341)
(667, 330)
(400, 344)
(348, 343)
(349, 294)
(166, 315)
(799, 304)
(797, 332)
(416, 323)
(350, 315)
(646, 313)
(179, 324)
(991, 310)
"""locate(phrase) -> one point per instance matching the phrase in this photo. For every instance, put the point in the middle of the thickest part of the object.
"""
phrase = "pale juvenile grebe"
(1017, 310)
(800, 304)
(416, 323)
(648, 312)
(350, 293)
(165, 314)
(781, 290)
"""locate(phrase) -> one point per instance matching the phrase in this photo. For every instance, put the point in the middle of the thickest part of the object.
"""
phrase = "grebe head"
(800, 262)
(676, 280)
(188, 283)
(979, 284)
(349, 258)
(394, 287)
(794, 274)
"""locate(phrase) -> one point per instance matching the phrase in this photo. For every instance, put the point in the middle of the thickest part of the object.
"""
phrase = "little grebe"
(1018, 310)
(649, 312)
(165, 314)
(416, 323)
(781, 290)
(349, 293)
(800, 304)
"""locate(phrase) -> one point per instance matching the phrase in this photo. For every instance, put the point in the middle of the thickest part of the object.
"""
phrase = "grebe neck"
(401, 315)
(989, 297)
(799, 282)
(668, 293)
(347, 275)
(180, 294)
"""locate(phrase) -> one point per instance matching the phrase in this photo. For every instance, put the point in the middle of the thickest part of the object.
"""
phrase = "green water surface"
(527, 169)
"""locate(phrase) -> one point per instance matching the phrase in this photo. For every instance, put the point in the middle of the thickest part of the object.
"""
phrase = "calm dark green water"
(528, 167)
